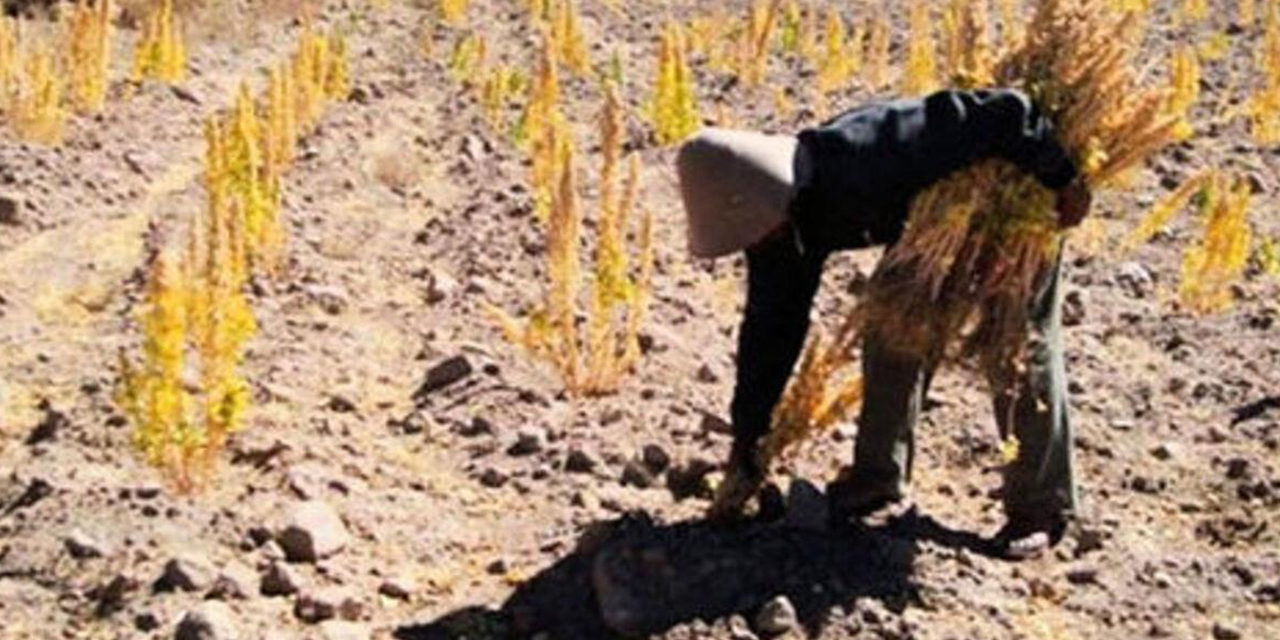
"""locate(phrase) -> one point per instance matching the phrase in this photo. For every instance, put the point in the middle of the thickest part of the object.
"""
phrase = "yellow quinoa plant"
(160, 53)
(673, 108)
(88, 54)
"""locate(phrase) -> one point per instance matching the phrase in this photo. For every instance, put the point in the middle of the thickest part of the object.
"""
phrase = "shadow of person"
(632, 577)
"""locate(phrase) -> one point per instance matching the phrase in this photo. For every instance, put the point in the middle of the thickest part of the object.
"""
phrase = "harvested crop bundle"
(958, 284)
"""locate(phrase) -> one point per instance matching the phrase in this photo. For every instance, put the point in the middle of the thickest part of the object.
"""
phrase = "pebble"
(210, 620)
(1223, 631)
(776, 617)
(1074, 307)
(635, 474)
(655, 458)
(187, 572)
(1082, 574)
(714, 424)
(235, 581)
(312, 531)
(580, 461)
(707, 375)
(1135, 279)
(326, 603)
(279, 580)
(529, 440)
(494, 478)
(398, 587)
(1237, 468)
(1165, 451)
(444, 374)
(739, 629)
(11, 206)
(83, 546)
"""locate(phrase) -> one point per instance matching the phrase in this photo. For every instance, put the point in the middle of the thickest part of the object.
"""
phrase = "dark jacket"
(867, 165)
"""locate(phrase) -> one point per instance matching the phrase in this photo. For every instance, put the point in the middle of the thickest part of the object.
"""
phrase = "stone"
(776, 617)
(444, 374)
(83, 546)
(210, 620)
(327, 603)
(333, 300)
(312, 531)
(344, 630)
(1135, 279)
(111, 595)
(187, 572)
(715, 424)
(529, 440)
(655, 458)
(635, 474)
(580, 461)
(1237, 468)
(494, 478)
(11, 206)
(440, 286)
(707, 375)
(690, 479)
(1083, 574)
(279, 580)
(1223, 631)
(739, 629)
(1074, 307)
(233, 582)
(398, 587)
(1165, 451)
(806, 506)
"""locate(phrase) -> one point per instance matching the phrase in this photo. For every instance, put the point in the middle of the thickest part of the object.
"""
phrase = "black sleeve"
(781, 284)
(964, 126)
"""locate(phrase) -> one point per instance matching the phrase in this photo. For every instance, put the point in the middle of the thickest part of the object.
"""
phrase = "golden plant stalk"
(10, 66)
(877, 50)
(1246, 12)
(595, 363)
(500, 83)
(467, 59)
(33, 104)
(571, 43)
(673, 108)
(1192, 11)
(1264, 107)
(1218, 261)
(753, 46)
(1011, 31)
(160, 53)
(1184, 89)
(88, 51)
(967, 43)
(920, 73)
(540, 131)
(957, 283)
(841, 59)
(1164, 211)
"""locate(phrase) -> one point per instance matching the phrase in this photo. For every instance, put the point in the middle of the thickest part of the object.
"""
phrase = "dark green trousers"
(1030, 402)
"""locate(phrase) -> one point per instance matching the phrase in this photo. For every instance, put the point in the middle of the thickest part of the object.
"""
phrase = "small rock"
(340, 404)
(655, 458)
(776, 617)
(210, 620)
(235, 581)
(49, 426)
(1165, 451)
(111, 595)
(478, 426)
(324, 604)
(1135, 279)
(1074, 305)
(529, 441)
(494, 478)
(11, 206)
(187, 572)
(714, 424)
(707, 375)
(580, 461)
(184, 94)
(806, 506)
(690, 479)
(739, 629)
(312, 531)
(1237, 468)
(442, 375)
(344, 630)
(398, 587)
(333, 300)
(635, 474)
(279, 580)
(82, 546)
(440, 286)
(146, 621)
(1082, 574)
(1223, 631)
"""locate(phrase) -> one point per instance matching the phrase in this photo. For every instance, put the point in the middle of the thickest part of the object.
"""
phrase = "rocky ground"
(409, 474)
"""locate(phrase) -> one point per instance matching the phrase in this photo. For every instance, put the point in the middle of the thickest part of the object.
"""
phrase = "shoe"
(743, 479)
(853, 501)
(1025, 538)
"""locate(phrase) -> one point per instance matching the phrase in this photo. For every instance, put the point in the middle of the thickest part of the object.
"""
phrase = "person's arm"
(781, 285)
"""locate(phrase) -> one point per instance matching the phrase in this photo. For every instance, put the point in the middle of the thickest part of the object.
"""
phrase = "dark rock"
(83, 546)
(1165, 451)
(714, 424)
(580, 461)
(187, 572)
(110, 596)
(1223, 631)
(1074, 307)
(1135, 279)
(397, 587)
(707, 375)
(690, 479)
(477, 427)
(806, 506)
(312, 531)
(1082, 574)
(279, 580)
(210, 620)
(327, 603)
(11, 206)
(234, 582)
(655, 458)
(444, 374)
(635, 473)
(52, 422)
(529, 441)
(494, 478)
(1237, 468)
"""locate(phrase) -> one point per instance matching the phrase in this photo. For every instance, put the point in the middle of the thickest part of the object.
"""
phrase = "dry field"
(374, 458)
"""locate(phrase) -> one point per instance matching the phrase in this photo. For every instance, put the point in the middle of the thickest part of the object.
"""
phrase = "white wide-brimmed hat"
(736, 186)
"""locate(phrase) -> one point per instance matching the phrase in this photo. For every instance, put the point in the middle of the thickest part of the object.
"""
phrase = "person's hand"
(1074, 201)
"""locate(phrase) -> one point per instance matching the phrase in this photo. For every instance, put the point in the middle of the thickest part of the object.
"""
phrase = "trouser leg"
(885, 444)
(1031, 402)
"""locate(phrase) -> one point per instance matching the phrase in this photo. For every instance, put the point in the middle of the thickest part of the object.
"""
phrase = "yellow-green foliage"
(467, 59)
(673, 108)
(595, 363)
(88, 52)
(842, 57)
(1011, 31)
(966, 43)
(500, 84)
(1192, 11)
(33, 100)
(540, 131)
(160, 53)
(1184, 81)
(1269, 256)
(1209, 268)
(1162, 213)
(1264, 107)
(791, 29)
(920, 73)
(453, 11)
(754, 38)
(571, 44)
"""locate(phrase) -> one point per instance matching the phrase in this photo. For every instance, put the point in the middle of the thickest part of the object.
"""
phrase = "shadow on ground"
(633, 578)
